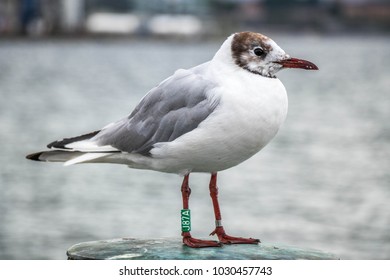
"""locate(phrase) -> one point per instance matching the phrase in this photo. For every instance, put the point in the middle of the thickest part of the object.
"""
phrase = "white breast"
(251, 110)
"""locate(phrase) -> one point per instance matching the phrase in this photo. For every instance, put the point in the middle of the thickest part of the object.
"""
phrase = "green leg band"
(185, 220)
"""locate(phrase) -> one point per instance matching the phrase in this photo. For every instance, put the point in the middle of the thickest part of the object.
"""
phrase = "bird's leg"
(219, 230)
(187, 238)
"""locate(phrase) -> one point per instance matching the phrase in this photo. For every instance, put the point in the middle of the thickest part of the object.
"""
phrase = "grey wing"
(176, 106)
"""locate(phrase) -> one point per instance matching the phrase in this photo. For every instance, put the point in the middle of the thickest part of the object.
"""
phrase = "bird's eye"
(258, 51)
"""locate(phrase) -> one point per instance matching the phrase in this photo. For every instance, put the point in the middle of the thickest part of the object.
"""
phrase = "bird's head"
(260, 55)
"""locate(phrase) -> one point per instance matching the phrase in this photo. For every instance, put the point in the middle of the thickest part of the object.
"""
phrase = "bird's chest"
(252, 114)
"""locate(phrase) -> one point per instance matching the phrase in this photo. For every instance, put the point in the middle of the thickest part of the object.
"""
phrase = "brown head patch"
(245, 41)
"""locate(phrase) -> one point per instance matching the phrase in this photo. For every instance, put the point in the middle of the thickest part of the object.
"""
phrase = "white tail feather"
(89, 146)
(85, 157)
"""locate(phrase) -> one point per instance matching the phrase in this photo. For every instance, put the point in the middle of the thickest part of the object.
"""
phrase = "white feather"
(86, 157)
(89, 146)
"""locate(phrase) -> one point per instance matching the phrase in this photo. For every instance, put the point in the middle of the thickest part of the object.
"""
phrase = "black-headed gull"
(204, 119)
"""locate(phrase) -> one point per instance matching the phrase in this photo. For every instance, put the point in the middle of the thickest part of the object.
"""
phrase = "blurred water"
(322, 183)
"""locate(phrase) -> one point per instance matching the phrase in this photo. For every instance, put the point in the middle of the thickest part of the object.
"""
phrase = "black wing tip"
(62, 143)
(57, 144)
(34, 156)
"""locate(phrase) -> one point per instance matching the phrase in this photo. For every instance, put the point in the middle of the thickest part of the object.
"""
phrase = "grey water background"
(322, 183)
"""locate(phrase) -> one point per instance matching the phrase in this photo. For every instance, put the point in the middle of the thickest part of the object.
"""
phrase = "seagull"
(204, 119)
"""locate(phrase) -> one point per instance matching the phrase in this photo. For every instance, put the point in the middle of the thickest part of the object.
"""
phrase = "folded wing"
(175, 107)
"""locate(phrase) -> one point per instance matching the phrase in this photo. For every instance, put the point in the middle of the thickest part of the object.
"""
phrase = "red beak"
(297, 63)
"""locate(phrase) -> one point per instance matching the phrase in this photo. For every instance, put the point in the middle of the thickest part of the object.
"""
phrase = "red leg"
(187, 238)
(219, 230)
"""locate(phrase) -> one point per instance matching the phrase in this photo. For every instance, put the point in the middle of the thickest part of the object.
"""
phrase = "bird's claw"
(191, 242)
(227, 239)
